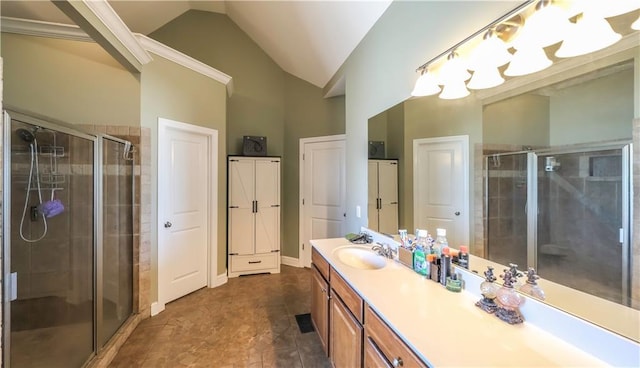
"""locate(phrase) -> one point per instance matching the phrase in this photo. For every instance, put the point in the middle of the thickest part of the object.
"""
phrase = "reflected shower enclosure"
(564, 211)
(68, 242)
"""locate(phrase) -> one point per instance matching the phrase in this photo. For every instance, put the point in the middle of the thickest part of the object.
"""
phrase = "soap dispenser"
(489, 291)
(509, 300)
(531, 287)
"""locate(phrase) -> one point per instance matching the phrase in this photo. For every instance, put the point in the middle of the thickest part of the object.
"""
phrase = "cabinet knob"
(397, 362)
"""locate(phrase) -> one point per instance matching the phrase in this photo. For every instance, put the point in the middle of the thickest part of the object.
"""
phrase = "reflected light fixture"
(426, 85)
(453, 90)
(485, 78)
(590, 33)
(543, 28)
(528, 60)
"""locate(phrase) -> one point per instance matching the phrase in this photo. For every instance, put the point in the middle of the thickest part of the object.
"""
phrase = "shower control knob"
(167, 224)
(457, 213)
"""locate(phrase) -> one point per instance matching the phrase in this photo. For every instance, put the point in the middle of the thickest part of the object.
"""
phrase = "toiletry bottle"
(434, 267)
(445, 266)
(441, 241)
(463, 257)
(419, 254)
(403, 237)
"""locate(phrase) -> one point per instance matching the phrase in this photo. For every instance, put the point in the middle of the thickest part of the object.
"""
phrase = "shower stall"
(68, 241)
(565, 211)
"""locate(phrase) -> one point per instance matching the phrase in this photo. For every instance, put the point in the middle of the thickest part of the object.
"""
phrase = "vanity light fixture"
(485, 78)
(528, 60)
(490, 53)
(426, 85)
(454, 90)
(545, 27)
(590, 33)
(608, 8)
(636, 25)
(453, 70)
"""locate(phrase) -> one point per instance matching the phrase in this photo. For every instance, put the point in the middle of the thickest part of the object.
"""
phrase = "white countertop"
(446, 328)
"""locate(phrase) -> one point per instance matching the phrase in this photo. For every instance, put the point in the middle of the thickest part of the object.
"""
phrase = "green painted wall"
(266, 101)
(377, 127)
(173, 92)
(520, 120)
(257, 105)
(72, 81)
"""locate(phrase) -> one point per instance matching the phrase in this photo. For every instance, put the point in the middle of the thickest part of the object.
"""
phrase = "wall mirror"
(550, 158)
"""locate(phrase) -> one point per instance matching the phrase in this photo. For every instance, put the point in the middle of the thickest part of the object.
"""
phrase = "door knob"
(457, 213)
(167, 224)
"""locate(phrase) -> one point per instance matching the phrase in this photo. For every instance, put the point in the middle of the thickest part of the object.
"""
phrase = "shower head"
(26, 135)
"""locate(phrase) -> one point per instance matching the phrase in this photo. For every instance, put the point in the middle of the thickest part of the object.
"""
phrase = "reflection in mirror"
(551, 184)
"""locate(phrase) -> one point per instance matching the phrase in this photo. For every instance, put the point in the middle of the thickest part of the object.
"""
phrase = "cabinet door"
(241, 217)
(267, 236)
(388, 193)
(346, 336)
(373, 357)
(372, 179)
(320, 307)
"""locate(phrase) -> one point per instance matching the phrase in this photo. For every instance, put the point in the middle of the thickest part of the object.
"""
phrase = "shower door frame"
(626, 147)
(97, 244)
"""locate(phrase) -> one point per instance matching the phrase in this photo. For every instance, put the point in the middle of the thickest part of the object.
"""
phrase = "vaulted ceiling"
(309, 39)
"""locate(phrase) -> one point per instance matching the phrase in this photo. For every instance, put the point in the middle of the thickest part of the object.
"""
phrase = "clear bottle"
(441, 242)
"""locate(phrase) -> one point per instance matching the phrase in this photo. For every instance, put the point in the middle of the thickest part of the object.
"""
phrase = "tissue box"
(405, 256)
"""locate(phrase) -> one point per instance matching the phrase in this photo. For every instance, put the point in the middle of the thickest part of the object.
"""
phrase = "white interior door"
(323, 191)
(184, 208)
(268, 206)
(441, 186)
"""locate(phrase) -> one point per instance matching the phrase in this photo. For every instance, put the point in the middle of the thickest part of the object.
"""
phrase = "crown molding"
(44, 29)
(187, 61)
(113, 22)
(75, 33)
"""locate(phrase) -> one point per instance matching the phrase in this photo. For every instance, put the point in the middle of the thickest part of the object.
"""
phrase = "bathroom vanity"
(391, 316)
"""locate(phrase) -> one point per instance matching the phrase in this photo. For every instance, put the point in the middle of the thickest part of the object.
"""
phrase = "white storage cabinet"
(383, 196)
(254, 215)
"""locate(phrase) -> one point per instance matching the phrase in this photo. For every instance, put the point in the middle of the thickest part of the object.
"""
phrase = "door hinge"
(303, 201)
(621, 235)
(303, 157)
(302, 246)
(13, 293)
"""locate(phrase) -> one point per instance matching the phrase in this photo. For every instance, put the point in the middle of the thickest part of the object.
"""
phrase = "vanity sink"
(360, 257)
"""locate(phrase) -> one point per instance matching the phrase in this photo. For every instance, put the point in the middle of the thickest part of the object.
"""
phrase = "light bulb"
(454, 90)
(526, 61)
(485, 78)
(491, 52)
(590, 33)
(426, 85)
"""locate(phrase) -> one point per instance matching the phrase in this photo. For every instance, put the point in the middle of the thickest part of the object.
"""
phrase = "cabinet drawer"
(320, 262)
(394, 350)
(255, 262)
(350, 298)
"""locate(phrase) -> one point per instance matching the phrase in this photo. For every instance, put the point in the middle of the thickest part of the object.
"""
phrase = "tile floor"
(248, 322)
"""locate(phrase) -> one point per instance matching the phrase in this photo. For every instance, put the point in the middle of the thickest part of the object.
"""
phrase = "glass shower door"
(51, 247)
(117, 241)
(506, 208)
(580, 220)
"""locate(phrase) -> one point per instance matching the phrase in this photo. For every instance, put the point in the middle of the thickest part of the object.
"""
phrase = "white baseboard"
(156, 307)
(220, 280)
(290, 261)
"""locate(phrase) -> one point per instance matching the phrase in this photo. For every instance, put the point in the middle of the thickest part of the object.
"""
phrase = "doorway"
(187, 208)
(323, 191)
(441, 186)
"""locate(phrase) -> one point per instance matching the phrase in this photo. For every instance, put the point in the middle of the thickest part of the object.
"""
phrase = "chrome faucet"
(383, 250)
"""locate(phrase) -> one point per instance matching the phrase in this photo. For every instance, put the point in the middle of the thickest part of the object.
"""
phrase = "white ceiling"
(309, 39)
